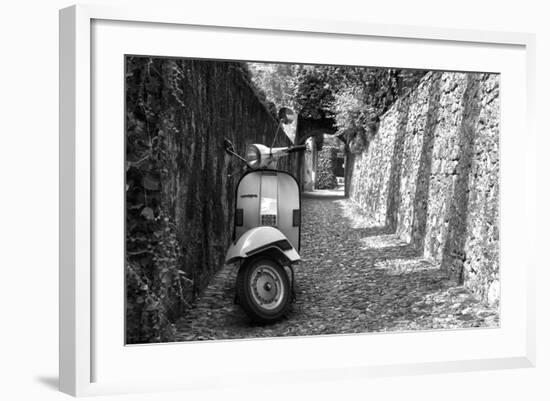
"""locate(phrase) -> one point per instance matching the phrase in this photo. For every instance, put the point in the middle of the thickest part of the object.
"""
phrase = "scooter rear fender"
(261, 240)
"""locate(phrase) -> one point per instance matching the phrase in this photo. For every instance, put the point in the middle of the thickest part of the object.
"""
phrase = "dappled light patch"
(381, 241)
(399, 266)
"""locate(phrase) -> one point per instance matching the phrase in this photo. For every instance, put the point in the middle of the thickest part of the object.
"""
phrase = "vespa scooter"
(266, 236)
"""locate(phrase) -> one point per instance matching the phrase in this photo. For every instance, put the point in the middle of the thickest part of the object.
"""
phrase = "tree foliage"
(275, 82)
(355, 97)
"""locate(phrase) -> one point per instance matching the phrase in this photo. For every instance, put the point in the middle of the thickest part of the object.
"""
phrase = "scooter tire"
(248, 300)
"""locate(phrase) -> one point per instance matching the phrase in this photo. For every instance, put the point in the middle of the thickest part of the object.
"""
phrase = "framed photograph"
(349, 197)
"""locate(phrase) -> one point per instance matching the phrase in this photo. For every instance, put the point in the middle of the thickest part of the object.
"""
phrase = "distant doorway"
(324, 165)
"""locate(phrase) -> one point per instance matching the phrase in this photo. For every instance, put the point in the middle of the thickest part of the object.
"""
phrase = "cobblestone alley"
(353, 278)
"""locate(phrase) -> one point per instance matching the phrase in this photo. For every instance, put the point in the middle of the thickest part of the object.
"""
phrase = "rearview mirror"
(286, 115)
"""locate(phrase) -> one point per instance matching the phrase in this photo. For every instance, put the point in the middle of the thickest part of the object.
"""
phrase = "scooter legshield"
(260, 239)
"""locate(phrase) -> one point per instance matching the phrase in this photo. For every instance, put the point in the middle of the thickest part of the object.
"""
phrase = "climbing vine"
(155, 285)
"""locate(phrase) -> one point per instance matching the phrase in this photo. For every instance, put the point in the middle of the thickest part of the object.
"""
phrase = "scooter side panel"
(288, 201)
(248, 199)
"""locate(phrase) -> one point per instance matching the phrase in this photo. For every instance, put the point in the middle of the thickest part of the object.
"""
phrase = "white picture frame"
(82, 345)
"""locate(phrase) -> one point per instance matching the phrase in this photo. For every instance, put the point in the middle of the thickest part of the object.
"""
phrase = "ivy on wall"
(326, 168)
(155, 286)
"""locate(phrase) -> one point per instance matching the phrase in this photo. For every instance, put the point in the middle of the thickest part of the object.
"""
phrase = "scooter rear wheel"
(263, 290)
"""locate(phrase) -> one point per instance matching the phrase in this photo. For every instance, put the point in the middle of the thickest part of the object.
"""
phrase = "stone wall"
(219, 103)
(431, 174)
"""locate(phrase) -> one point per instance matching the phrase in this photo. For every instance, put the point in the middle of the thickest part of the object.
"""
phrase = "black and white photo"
(279, 199)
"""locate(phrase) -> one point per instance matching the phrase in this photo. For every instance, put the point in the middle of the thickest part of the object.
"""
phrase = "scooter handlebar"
(297, 148)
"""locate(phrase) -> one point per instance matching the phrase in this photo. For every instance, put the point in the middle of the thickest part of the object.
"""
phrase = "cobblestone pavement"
(353, 278)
